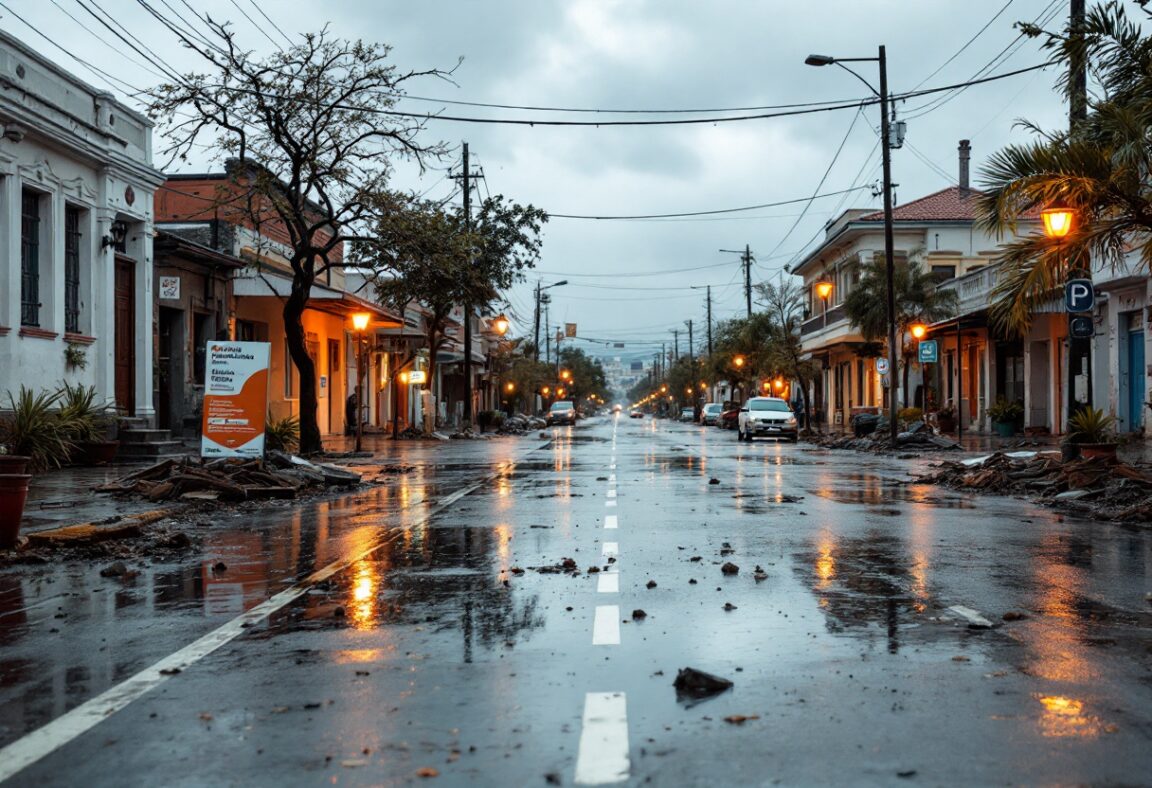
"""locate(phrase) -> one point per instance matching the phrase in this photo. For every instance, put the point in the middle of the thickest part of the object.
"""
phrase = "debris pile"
(280, 476)
(1096, 487)
(521, 425)
(918, 436)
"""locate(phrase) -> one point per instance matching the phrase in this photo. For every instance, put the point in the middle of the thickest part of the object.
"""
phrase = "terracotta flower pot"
(13, 494)
(14, 463)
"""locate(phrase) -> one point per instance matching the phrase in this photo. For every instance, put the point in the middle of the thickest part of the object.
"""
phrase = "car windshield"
(769, 404)
(561, 406)
(713, 408)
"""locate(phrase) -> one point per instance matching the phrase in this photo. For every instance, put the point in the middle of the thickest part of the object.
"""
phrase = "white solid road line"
(603, 754)
(611, 478)
(606, 626)
(611, 521)
(47, 739)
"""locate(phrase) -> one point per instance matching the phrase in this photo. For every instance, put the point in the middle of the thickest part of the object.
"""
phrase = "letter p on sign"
(1079, 295)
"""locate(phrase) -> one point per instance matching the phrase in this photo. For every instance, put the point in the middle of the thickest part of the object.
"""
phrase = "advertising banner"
(235, 399)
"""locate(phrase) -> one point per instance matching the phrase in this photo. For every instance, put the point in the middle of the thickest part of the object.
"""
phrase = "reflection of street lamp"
(886, 142)
(360, 323)
(1058, 221)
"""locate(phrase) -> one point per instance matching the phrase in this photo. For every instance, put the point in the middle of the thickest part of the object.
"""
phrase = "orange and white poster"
(235, 399)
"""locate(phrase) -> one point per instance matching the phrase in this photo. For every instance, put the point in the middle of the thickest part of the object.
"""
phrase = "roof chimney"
(965, 150)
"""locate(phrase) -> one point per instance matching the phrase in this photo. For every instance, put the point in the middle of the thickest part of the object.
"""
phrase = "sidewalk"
(64, 497)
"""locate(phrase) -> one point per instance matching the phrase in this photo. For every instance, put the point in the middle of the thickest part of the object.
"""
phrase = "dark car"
(710, 413)
(561, 413)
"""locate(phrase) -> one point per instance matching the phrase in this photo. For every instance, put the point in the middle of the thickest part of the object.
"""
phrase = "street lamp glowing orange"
(824, 289)
(663, 389)
(509, 387)
(779, 383)
(500, 323)
(918, 330)
(559, 392)
(565, 374)
(738, 361)
(1057, 221)
(545, 390)
(360, 320)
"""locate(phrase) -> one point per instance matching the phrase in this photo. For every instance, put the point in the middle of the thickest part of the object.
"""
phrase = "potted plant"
(1091, 430)
(1006, 417)
(946, 417)
(85, 422)
(33, 429)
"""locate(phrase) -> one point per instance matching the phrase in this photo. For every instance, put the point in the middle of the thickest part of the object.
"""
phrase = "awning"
(321, 298)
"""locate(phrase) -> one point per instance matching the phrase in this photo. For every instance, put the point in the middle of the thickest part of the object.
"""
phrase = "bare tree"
(314, 130)
(784, 305)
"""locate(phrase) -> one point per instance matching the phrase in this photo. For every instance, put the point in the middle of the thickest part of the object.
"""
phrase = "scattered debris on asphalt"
(728, 606)
(730, 568)
(1097, 488)
(520, 425)
(697, 684)
(280, 476)
(740, 719)
(639, 614)
(650, 584)
(917, 437)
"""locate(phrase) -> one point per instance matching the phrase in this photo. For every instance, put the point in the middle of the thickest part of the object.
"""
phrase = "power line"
(275, 26)
(967, 43)
(595, 110)
(251, 21)
(697, 213)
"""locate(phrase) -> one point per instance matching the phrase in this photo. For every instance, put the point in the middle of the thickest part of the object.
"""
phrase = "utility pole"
(691, 361)
(709, 302)
(748, 277)
(536, 330)
(547, 333)
(465, 177)
(1079, 350)
(675, 345)
(746, 259)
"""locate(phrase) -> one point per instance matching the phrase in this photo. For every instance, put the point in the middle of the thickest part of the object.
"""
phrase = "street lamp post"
(886, 161)
(360, 323)
(1058, 221)
(918, 331)
(536, 322)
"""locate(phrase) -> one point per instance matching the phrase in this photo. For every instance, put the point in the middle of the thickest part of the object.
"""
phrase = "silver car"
(710, 414)
(768, 417)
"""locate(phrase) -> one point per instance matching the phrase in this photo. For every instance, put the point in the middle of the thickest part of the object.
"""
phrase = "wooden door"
(125, 342)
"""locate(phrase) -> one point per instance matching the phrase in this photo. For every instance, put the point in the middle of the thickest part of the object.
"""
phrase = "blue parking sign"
(1079, 295)
(929, 352)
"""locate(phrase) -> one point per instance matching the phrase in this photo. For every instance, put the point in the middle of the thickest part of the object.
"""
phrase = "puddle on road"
(872, 490)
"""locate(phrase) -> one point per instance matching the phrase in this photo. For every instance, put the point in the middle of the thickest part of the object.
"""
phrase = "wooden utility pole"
(748, 277)
(465, 177)
(709, 302)
(691, 360)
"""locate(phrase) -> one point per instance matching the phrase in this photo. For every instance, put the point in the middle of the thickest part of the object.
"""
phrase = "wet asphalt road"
(419, 646)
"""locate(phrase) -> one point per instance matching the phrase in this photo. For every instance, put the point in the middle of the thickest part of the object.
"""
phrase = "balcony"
(973, 289)
(817, 323)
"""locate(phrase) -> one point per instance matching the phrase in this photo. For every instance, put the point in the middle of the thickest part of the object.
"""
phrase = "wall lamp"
(119, 231)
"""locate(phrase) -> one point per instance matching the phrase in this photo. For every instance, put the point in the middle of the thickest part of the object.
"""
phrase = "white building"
(76, 189)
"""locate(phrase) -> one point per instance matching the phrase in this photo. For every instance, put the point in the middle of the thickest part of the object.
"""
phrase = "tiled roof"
(947, 205)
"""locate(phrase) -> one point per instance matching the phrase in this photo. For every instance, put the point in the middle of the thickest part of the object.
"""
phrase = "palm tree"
(1100, 170)
(917, 301)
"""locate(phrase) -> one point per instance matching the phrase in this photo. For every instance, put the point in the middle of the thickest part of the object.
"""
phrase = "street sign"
(1081, 327)
(882, 366)
(929, 352)
(1079, 295)
(417, 376)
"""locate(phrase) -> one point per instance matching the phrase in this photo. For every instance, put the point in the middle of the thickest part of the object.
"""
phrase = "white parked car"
(768, 417)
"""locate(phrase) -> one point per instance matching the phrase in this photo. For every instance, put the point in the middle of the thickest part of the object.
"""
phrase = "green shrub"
(35, 429)
(1006, 411)
(1091, 425)
(282, 434)
(81, 418)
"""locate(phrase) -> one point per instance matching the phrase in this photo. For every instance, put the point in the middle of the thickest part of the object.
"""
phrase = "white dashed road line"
(611, 521)
(603, 756)
(606, 626)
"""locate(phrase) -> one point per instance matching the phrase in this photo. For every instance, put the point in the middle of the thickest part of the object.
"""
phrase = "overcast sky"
(656, 55)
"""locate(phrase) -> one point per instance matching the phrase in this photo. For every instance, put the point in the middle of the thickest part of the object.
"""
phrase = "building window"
(942, 273)
(72, 269)
(201, 325)
(29, 258)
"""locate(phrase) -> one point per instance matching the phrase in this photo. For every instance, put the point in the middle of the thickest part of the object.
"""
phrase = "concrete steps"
(142, 444)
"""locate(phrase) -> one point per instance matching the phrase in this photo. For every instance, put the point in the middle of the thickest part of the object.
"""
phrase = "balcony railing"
(973, 289)
(817, 323)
